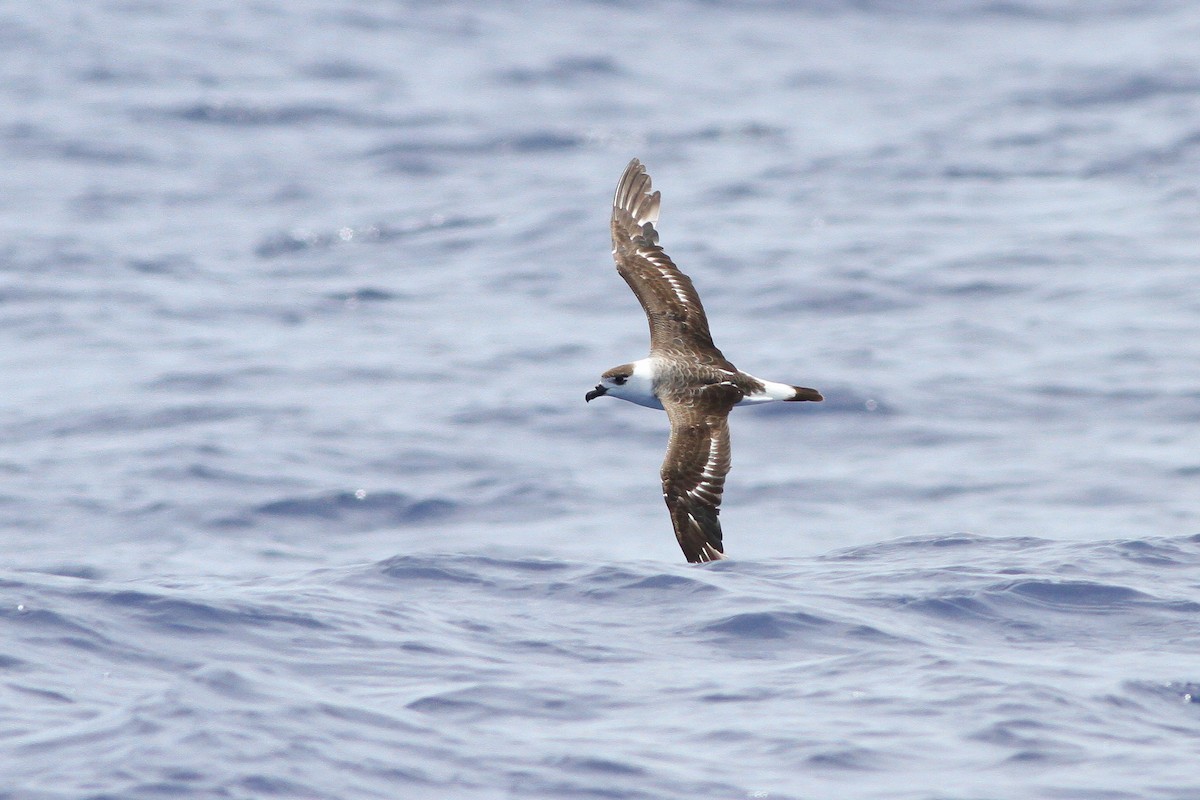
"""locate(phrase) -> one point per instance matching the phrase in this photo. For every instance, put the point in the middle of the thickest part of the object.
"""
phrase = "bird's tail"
(803, 393)
(780, 391)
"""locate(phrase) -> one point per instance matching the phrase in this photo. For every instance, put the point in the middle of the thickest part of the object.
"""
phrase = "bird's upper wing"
(693, 472)
(677, 319)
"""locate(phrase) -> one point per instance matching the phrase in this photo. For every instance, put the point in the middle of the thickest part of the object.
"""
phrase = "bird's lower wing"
(693, 472)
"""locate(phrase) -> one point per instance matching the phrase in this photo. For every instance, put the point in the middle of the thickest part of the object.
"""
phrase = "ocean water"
(299, 496)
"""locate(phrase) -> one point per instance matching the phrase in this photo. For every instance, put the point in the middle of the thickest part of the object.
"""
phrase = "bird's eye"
(619, 380)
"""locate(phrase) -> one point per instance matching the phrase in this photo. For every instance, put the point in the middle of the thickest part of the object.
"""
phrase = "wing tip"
(699, 552)
(634, 195)
(699, 534)
(707, 556)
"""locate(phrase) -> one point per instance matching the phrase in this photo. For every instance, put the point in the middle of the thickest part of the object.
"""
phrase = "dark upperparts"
(619, 374)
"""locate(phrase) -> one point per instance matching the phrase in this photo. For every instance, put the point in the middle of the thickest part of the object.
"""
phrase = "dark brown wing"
(693, 472)
(677, 319)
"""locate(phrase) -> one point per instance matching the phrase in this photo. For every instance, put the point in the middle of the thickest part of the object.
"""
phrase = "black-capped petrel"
(685, 374)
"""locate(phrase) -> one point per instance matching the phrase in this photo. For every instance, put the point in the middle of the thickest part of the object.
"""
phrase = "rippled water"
(300, 497)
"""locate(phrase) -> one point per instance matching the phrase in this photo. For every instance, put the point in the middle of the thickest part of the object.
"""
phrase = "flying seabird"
(685, 374)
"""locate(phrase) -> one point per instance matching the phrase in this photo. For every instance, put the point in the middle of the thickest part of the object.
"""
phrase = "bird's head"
(611, 382)
(633, 382)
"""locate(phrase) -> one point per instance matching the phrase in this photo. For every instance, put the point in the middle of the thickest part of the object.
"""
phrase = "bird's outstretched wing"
(677, 320)
(693, 472)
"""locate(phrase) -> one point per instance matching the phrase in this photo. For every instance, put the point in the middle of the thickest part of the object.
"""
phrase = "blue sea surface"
(300, 498)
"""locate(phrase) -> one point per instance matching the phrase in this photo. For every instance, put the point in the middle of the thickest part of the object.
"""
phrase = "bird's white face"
(632, 382)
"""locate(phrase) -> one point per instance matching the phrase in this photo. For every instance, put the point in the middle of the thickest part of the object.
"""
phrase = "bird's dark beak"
(599, 391)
